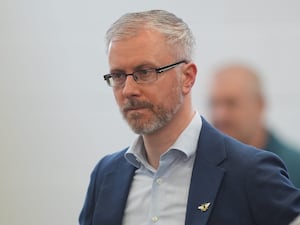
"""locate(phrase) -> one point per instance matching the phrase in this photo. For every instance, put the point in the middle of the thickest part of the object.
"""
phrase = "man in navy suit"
(179, 170)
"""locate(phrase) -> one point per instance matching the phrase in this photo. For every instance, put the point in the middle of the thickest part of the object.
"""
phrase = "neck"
(160, 141)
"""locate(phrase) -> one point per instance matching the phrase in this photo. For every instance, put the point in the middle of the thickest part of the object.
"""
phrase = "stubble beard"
(160, 114)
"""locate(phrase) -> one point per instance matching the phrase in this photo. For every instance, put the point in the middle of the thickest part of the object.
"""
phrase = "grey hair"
(177, 33)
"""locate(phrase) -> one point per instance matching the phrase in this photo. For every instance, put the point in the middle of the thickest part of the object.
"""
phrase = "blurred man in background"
(237, 108)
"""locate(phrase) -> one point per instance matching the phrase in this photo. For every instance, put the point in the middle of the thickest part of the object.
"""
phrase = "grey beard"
(161, 117)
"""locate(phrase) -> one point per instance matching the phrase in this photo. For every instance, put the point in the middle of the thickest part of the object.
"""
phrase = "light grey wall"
(58, 117)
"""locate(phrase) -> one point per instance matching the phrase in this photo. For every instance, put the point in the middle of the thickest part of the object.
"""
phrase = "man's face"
(146, 107)
(234, 107)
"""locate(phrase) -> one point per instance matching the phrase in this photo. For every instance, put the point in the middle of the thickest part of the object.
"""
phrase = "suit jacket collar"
(206, 175)
(119, 178)
(205, 181)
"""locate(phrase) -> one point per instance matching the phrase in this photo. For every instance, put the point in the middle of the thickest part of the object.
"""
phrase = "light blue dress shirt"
(160, 196)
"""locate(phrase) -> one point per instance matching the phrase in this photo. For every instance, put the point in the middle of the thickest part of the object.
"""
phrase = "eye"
(144, 74)
(117, 76)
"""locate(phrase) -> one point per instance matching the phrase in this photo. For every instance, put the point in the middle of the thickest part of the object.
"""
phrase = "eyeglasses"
(142, 76)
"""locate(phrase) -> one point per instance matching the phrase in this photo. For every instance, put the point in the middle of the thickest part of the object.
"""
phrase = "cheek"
(172, 91)
(118, 96)
(241, 117)
(245, 118)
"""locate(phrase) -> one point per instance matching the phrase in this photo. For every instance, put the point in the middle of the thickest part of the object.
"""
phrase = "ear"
(188, 77)
(261, 104)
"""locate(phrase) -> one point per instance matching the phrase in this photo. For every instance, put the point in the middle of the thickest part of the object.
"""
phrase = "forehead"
(147, 45)
(233, 81)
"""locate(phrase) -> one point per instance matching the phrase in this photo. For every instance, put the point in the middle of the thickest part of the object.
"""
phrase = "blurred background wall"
(58, 117)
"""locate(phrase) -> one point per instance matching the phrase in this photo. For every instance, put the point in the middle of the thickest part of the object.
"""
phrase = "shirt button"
(159, 181)
(154, 219)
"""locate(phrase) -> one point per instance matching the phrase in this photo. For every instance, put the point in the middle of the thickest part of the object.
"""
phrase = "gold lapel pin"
(204, 207)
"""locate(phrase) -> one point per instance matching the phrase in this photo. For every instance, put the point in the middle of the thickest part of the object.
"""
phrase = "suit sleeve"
(271, 191)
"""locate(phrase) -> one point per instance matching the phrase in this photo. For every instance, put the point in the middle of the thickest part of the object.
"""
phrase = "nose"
(131, 87)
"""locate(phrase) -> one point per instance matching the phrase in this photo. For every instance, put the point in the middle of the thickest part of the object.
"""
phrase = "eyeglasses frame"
(157, 70)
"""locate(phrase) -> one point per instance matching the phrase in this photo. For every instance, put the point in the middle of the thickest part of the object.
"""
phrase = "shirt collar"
(185, 143)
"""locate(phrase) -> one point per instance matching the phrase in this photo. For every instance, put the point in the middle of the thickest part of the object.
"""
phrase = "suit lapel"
(115, 192)
(206, 176)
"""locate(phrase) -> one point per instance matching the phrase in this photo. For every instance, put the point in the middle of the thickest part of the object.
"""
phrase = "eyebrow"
(143, 65)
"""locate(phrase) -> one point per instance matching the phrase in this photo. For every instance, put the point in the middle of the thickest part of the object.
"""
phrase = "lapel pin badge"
(204, 207)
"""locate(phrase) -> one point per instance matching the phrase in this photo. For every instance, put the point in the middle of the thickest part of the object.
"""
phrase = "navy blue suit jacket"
(244, 186)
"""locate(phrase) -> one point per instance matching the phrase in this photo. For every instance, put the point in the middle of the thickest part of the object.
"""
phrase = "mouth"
(133, 109)
(135, 106)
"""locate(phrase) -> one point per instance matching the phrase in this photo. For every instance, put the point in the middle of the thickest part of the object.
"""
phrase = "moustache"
(136, 104)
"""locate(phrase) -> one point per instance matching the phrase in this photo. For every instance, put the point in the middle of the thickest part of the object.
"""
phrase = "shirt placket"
(157, 194)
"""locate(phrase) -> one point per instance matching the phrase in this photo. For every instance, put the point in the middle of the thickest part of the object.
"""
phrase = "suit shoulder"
(247, 154)
(217, 147)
